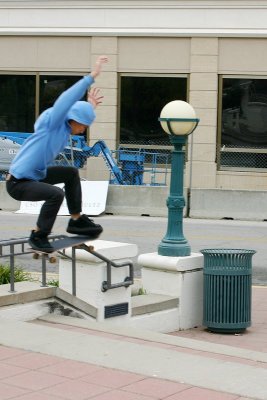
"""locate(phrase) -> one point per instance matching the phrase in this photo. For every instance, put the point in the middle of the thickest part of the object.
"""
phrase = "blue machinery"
(131, 162)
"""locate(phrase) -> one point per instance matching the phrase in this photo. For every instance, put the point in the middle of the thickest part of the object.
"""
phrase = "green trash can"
(227, 289)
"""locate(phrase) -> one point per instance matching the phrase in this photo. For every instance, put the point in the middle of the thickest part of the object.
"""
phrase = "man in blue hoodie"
(31, 178)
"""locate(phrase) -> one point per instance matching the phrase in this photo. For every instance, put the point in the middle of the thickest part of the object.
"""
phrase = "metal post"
(43, 271)
(73, 263)
(174, 243)
(109, 273)
(12, 269)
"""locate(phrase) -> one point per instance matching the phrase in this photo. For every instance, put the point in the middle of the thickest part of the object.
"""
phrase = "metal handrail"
(12, 243)
(106, 285)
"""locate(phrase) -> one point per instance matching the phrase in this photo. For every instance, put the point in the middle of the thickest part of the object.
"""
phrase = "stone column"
(203, 97)
(105, 125)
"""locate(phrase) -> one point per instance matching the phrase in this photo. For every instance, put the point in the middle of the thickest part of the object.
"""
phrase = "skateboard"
(60, 245)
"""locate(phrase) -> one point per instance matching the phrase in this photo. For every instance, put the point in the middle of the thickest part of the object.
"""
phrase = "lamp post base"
(174, 248)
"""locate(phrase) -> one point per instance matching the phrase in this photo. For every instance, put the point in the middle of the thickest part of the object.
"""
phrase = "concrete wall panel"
(204, 46)
(204, 81)
(104, 45)
(154, 55)
(203, 99)
(105, 131)
(207, 116)
(244, 180)
(236, 204)
(204, 135)
(203, 174)
(204, 63)
(45, 53)
(242, 55)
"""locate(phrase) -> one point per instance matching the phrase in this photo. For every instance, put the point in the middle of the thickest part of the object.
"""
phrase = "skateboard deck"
(60, 245)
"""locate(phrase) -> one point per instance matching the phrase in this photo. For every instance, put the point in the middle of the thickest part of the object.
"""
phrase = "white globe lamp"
(178, 118)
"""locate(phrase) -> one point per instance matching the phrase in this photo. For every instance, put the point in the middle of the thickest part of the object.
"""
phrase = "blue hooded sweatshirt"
(52, 132)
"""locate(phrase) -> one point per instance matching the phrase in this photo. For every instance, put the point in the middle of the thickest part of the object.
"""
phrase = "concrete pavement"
(59, 357)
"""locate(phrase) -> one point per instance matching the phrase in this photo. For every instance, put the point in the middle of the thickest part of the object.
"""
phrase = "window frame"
(144, 75)
(21, 73)
(221, 168)
(38, 75)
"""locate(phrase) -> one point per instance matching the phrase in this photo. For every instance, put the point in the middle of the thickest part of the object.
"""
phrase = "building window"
(51, 86)
(17, 105)
(242, 141)
(141, 101)
(24, 97)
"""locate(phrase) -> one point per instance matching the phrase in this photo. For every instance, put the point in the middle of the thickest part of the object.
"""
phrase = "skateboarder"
(31, 178)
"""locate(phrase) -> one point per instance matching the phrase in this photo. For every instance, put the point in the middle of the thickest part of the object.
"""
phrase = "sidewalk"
(68, 358)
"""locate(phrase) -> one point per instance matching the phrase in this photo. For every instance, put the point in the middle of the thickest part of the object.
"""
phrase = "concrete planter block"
(180, 277)
(91, 272)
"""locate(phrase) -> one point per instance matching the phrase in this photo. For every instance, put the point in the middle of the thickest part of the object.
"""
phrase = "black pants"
(27, 190)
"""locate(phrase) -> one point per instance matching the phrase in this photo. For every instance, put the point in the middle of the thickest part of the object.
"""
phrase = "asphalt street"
(147, 232)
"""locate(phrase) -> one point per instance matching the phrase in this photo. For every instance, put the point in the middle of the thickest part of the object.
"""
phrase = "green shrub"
(19, 274)
(53, 282)
(141, 291)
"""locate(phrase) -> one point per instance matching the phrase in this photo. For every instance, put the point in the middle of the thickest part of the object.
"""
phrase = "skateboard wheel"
(35, 256)
(52, 260)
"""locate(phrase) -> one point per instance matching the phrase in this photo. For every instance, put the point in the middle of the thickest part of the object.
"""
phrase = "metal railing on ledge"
(106, 285)
(14, 247)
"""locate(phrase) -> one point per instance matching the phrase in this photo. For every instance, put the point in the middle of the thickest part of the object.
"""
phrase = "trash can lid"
(227, 251)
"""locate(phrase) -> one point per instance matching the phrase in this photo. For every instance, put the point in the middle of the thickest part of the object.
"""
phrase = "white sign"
(94, 197)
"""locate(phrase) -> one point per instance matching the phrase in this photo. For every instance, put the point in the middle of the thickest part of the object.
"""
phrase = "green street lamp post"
(178, 119)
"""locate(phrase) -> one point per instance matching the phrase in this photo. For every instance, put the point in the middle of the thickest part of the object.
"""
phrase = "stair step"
(149, 303)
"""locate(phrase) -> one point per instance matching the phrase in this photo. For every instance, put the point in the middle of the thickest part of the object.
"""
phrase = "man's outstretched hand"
(93, 97)
(98, 66)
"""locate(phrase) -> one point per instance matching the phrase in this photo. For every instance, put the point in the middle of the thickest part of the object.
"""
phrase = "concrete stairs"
(29, 294)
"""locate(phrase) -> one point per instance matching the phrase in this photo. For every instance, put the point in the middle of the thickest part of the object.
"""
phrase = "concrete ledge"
(122, 200)
(112, 250)
(137, 200)
(186, 264)
(151, 200)
(150, 303)
(25, 292)
(221, 203)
